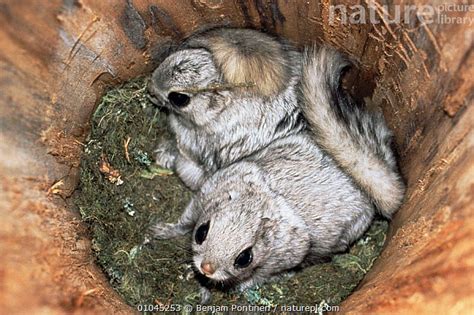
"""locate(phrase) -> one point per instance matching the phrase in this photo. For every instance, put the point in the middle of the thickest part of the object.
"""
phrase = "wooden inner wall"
(56, 58)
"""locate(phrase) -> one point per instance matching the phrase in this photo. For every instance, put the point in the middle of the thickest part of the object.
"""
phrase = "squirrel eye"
(201, 233)
(178, 99)
(244, 259)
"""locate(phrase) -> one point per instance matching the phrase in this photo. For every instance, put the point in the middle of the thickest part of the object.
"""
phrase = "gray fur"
(261, 178)
(359, 141)
(289, 202)
(244, 55)
(220, 127)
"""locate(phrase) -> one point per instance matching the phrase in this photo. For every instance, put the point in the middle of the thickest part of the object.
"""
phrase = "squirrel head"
(182, 83)
(244, 227)
(210, 69)
(234, 235)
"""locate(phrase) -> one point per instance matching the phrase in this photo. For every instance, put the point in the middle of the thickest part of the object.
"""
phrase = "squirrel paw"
(165, 157)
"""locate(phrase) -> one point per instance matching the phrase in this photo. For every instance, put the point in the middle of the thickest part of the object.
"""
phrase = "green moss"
(119, 217)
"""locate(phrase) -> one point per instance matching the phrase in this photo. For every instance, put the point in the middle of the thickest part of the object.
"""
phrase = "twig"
(217, 87)
(125, 146)
(79, 142)
(55, 189)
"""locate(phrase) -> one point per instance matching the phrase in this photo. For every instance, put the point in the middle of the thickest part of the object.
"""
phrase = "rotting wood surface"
(57, 57)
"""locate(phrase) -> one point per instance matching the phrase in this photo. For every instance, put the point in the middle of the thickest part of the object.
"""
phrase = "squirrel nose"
(207, 268)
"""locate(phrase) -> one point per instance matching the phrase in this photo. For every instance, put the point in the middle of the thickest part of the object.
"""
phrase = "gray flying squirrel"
(303, 195)
(232, 92)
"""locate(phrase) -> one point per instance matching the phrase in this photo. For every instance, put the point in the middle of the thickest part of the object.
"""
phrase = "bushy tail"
(357, 140)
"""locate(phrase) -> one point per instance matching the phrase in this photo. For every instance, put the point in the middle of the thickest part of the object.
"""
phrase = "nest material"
(122, 193)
